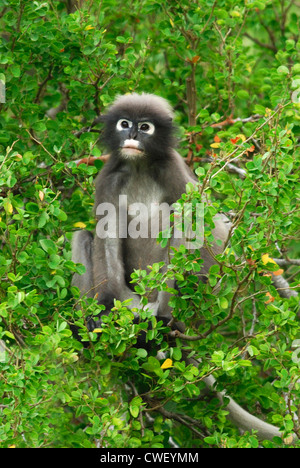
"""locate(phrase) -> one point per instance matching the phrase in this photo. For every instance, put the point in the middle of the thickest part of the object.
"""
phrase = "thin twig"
(228, 160)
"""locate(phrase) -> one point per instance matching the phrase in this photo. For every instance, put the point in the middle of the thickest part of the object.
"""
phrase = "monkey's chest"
(147, 216)
(143, 198)
(143, 190)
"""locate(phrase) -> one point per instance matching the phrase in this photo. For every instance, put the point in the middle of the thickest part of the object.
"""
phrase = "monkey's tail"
(241, 418)
(245, 420)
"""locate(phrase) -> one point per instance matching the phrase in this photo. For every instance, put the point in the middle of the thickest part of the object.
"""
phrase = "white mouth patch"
(131, 144)
(131, 148)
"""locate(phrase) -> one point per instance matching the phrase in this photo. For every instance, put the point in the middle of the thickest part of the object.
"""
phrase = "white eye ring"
(146, 127)
(123, 124)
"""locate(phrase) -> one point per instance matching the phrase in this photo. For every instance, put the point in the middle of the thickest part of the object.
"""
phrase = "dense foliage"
(231, 70)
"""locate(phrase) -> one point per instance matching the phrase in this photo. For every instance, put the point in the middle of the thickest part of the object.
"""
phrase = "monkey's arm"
(82, 247)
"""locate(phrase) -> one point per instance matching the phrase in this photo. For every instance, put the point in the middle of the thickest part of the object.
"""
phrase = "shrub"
(231, 70)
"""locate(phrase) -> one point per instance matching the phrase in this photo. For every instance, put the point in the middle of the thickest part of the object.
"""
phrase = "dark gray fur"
(157, 175)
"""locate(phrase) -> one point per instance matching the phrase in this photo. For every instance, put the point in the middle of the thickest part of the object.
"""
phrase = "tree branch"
(181, 418)
(287, 262)
(261, 44)
(89, 128)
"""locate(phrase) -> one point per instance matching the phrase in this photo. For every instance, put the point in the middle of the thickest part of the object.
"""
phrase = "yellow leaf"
(89, 27)
(268, 112)
(215, 145)
(240, 136)
(167, 364)
(266, 259)
(12, 446)
(97, 330)
(80, 225)
(8, 207)
(235, 14)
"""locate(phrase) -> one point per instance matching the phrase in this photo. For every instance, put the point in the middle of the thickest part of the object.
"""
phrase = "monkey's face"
(139, 126)
(134, 137)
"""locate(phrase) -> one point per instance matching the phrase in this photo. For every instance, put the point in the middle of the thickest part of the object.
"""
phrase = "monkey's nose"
(133, 133)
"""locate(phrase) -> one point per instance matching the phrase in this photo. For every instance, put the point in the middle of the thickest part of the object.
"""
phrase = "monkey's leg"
(104, 274)
(109, 275)
(82, 247)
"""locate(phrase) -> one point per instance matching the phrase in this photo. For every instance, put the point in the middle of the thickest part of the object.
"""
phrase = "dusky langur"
(143, 171)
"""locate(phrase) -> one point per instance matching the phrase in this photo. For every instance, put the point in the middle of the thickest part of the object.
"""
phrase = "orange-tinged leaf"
(167, 364)
(196, 59)
(234, 140)
(41, 195)
(217, 139)
(250, 261)
(278, 272)
(271, 298)
(240, 136)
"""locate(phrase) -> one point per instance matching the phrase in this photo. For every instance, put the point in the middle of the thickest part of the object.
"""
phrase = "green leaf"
(283, 70)
(15, 70)
(48, 245)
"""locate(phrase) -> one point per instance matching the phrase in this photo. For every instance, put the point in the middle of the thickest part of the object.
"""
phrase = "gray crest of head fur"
(143, 102)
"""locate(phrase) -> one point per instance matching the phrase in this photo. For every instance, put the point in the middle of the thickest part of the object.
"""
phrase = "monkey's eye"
(147, 127)
(123, 124)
